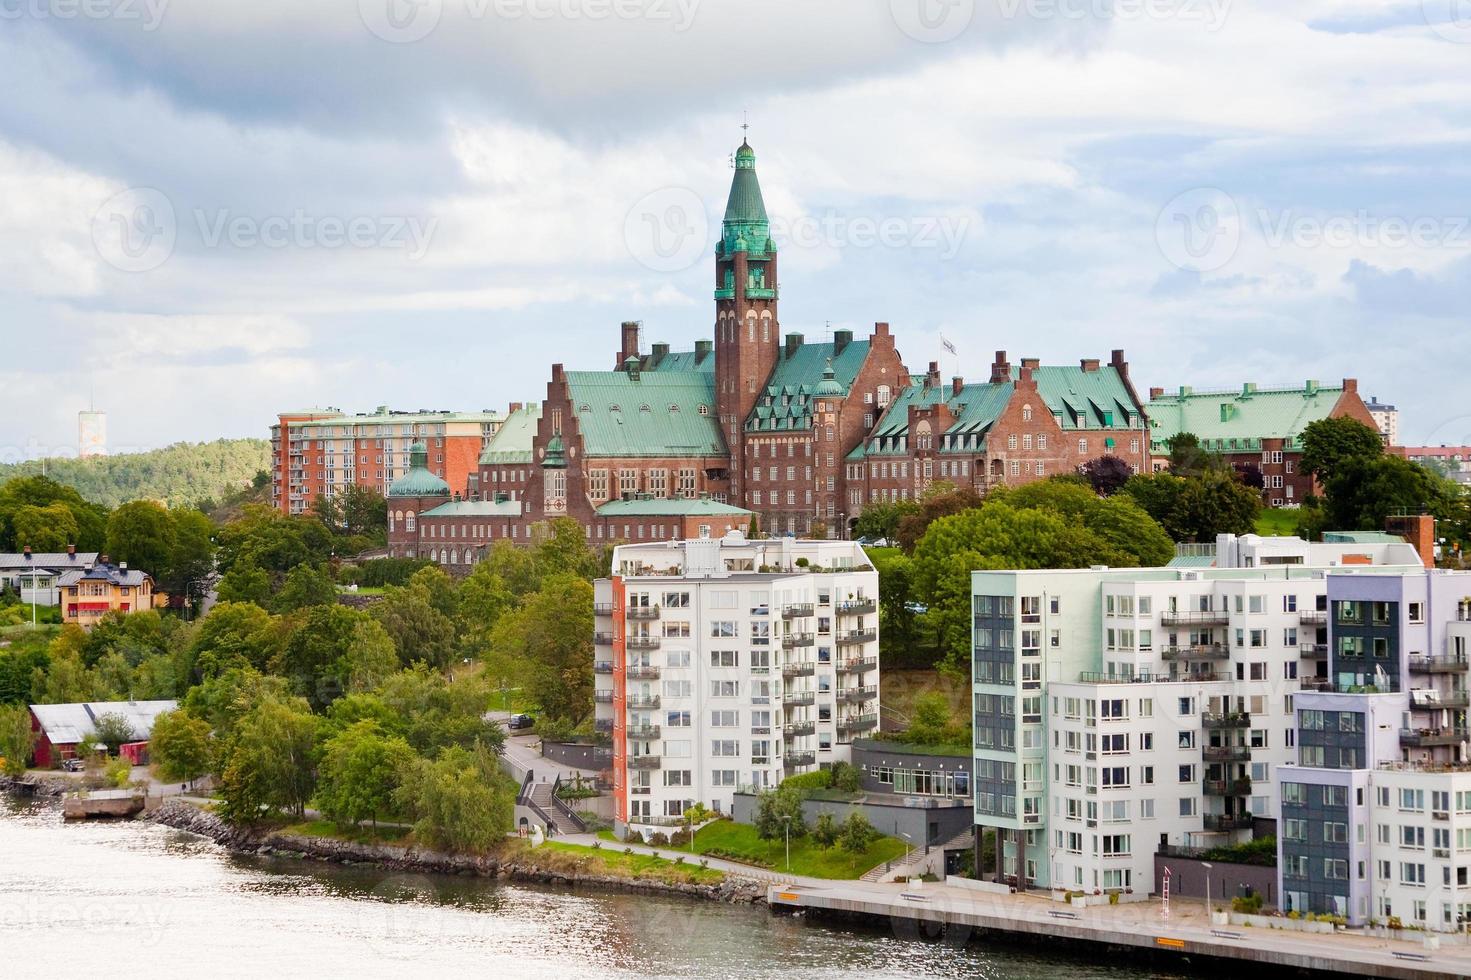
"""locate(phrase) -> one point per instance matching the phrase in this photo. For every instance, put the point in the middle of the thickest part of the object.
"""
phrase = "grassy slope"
(1277, 522)
(557, 856)
(738, 842)
(899, 689)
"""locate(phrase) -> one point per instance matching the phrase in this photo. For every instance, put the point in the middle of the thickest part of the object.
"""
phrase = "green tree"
(561, 548)
(233, 635)
(316, 659)
(857, 834)
(49, 528)
(142, 534)
(305, 585)
(17, 741)
(550, 641)
(484, 596)
(41, 491)
(191, 559)
(931, 723)
(1189, 459)
(825, 830)
(66, 679)
(901, 642)
(360, 773)
(113, 730)
(180, 746)
(943, 500)
(459, 806)
(270, 762)
(353, 511)
(223, 700)
(371, 657)
(880, 520)
(245, 583)
(438, 588)
(421, 633)
(779, 813)
(435, 714)
(1327, 443)
(1198, 508)
(1363, 491)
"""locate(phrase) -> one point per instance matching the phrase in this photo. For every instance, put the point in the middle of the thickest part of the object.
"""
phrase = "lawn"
(738, 842)
(557, 856)
(1277, 522)
(364, 590)
(366, 834)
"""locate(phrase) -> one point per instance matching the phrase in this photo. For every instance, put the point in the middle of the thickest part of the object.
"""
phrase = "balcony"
(603, 726)
(603, 639)
(797, 729)
(642, 612)
(1228, 787)
(603, 667)
(1197, 651)
(1225, 823)
(1313, 617)
(1438, 699)
(798, 610)
(1438, 665)
(1424, 738)
(1198, 617)
(1312, 650)
(643, 672)
(858, 723)
(1226, 753)
(797, 699)
(642, 642)
(643, 762)
(794, 640)
(794, 760)
(644, 732)
(855, 637)
(858, 695)
(806, 669)
(602, 697)
(858, 666)
(858, 607)
(643, 701)
(1235, 719)
(602, 609)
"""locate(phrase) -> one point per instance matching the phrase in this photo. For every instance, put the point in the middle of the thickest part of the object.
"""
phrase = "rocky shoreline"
(41, 787)
(519, 866)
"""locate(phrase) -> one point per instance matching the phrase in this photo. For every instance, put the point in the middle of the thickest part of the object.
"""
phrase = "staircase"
(542, 799)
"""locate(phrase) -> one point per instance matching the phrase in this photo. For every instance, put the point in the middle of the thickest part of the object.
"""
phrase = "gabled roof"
(475, 508)
(670, 507)
(785, 403)
(1085, 399)
(1240, 418)
(512, 441)
(112, 574)
(646, 413)
(46, 560)
(68, 724)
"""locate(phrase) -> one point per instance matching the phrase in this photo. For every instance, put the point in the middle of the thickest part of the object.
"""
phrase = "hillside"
(184, 473)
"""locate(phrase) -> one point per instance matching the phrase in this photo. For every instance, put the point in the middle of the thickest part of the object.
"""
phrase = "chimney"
(1116, 360)
(629, 341)
(1311, 387)
(702, 350)
(71, 551)
(27, 552)
(932, 376)
(1031, 363)
(957, 385)
(1350, 386)
(1248, 388)
(1418, 530)
(661, 351)
(1089, 364)
(122, 566)
(794, 340)
(841, 340)
(1000, 369)
(1156, 393)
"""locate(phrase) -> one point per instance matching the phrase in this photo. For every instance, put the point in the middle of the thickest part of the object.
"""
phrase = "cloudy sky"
(212, 211)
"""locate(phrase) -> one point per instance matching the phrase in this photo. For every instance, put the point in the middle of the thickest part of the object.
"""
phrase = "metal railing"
(1426, 737)
(1197, 617)
(1438, 699)
(793, 640)
(857, 665)
(642, 642)
(642, 612)
(796, 729)
(1234, 719)
(857, 695)
(794, 759)
(1226, 822)
(1447, 664)
(858, 723)
(853, 637)
(1313, 617)
(858, 607)
(1226, 753)
(1197, 651)
(643, 762)
(798, 610)
(797, 699)
(603, 638)
(643, 672)
(806, 669)
(643, 701)
(1227, 787)
(645, 732)
(602, 667)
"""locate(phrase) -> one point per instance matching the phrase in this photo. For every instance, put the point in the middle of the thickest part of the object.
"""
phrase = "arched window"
(883, 396)
(409, 521)
(1026, 413)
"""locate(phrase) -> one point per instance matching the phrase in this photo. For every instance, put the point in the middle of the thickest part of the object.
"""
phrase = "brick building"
(319, 453)
(1261, 426)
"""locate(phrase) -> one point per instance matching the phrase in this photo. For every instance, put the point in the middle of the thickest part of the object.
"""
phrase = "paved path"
(670, 853)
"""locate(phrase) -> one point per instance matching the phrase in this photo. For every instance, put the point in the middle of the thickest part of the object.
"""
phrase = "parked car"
(520, 722)
(73, 765)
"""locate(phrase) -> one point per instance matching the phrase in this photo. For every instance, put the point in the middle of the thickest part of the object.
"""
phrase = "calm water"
(86, 900)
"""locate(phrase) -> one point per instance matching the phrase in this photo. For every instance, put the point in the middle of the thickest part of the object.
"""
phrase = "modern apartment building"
(1386, 420)
(320, 453)
(726, 664)
(1375, 813)
(1117, 710)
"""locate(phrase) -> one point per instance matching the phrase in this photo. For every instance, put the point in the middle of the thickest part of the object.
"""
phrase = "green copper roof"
(828, 386)
(1361, 537)
(1086, 399)
(476, 508)
(681, 360)
(670, 507)
(555, 457)
(745, 225)
(1239, 419)
(786, 402)
(512, 441)
(660, 413)
(418, 481)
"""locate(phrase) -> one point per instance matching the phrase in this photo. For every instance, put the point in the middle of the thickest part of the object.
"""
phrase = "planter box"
(986, 887)
(1274, 922)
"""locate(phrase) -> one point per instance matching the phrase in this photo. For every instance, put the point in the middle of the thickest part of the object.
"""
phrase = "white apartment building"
(726, 664)
(1118, 710)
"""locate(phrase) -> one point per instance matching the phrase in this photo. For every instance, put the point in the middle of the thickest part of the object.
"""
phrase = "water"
(95, 899)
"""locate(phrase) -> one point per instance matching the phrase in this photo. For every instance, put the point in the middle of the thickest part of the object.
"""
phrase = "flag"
(948, 346)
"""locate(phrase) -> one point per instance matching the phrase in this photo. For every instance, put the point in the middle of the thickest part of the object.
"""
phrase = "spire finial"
(745, 127)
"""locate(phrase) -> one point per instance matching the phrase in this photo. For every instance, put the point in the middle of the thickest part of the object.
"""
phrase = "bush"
(118, 772)
(845, 777)
(825, 830)
(817, 779)
(658, 839)
(680, 838)
(380, 572)
(857, 834)
(1247, 904)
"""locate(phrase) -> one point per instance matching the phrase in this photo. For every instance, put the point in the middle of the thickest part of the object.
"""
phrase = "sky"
(212, 212)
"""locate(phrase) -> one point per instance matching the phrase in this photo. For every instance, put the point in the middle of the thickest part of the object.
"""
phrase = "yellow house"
(89, 594)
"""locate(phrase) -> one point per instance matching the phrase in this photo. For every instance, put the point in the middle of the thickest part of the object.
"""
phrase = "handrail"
(563, 806)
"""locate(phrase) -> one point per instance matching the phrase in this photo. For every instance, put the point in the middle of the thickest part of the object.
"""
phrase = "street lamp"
(1207, 866)
(787, 830)
(908, 845)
